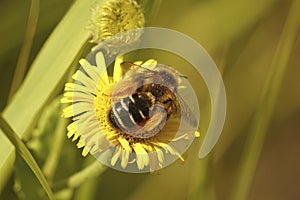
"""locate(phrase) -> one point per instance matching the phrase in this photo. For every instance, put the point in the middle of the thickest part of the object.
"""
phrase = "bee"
(145, 99)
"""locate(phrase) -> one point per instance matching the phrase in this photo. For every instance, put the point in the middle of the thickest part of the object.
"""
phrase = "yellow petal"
(80, 144)
(82, 95)
(71, 126)
(75, 137)
(118, 69)
(85, 151)
(168, 148)
(138, 62)
(103, 143)
(75, 109)
(115, 156)
(142, 158)
(85, 80)
(125, 157)
(101, 67)
(79, 88)
(71, 133)
(150, 64)
(160, 154)
(89, 69)
(124, 143)
(154, 162)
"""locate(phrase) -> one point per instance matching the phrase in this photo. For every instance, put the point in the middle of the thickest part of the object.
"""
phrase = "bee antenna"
(130, 63)
(146, 68)
(183, 76)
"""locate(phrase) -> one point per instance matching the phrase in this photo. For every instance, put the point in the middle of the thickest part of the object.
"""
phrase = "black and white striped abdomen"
(131, 111)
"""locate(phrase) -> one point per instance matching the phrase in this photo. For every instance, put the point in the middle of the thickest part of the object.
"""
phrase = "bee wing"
(131, 81)
(138, 71)
(122, 89)
(134, 78)
(185, 112)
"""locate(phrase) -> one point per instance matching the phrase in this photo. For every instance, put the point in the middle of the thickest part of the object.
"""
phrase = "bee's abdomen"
(131, 111)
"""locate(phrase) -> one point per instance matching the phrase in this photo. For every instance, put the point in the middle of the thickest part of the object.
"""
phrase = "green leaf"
(45, 75)
(266, 104)
(25, 180)
(41, 138)
(26, 155)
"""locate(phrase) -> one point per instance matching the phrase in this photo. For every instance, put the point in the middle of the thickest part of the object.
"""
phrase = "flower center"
(154, 124)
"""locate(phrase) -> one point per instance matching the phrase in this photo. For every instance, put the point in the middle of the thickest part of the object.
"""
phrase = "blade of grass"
(203, 186)
(26, 48)
(44, 76)
(266, 104)
(151, 9)
(25, 154)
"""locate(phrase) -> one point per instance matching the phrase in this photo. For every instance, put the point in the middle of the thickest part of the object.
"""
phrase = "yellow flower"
(90, 97)
(116, 16)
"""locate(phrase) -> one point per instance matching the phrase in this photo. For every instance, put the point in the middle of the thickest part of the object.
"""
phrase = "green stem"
(51, 162)
(25, 51)
(25, 154)
(88, 190)
(93, 170)
(266, 104)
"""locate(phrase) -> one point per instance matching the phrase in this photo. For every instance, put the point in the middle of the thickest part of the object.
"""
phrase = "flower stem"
(51, 162)
(95, 169)
(25, 154)
(266, 104)
(88, 190)
(25, 50)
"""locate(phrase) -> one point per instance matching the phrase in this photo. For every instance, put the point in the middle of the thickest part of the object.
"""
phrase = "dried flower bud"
(113, 17)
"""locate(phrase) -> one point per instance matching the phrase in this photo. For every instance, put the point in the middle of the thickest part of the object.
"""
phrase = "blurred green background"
(242, 37)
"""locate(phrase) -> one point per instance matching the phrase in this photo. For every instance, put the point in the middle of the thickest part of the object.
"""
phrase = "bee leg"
(156, 121)
(158, 118)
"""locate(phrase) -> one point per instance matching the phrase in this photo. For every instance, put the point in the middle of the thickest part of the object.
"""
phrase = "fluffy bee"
(145, 99)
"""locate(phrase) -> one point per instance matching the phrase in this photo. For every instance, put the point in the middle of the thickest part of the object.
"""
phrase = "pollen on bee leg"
(197, 134)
